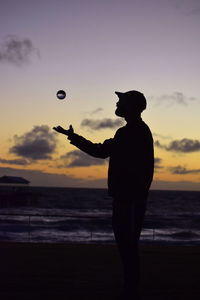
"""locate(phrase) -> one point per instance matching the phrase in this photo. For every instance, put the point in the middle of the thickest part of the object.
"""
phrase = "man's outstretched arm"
(97, 150)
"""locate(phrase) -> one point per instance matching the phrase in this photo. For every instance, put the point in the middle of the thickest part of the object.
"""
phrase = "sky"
(90, 49)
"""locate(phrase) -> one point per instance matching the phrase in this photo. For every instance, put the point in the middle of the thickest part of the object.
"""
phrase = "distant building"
(14, 193)
(13, 180)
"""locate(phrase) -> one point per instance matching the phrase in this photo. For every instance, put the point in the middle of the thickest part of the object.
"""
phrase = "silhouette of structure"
(13, 179)
(130, 175)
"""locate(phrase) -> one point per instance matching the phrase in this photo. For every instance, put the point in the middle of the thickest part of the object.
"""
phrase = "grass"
(82, 271)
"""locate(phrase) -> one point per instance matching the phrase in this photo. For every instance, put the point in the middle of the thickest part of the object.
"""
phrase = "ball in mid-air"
(61, 94)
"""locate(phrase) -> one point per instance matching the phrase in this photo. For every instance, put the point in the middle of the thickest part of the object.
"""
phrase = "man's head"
(130, 103)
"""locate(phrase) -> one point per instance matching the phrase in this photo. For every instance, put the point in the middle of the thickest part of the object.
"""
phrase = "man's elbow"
(100, 155)
(103, 156)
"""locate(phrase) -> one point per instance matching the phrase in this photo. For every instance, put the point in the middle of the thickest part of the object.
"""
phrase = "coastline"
(93, 271)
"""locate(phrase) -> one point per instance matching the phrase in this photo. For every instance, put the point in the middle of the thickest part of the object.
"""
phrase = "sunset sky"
(92, 48)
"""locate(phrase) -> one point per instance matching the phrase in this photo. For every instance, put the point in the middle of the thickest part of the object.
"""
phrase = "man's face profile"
(121, 108)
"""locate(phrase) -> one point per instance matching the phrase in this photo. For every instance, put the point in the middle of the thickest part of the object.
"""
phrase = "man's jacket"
(131, 156)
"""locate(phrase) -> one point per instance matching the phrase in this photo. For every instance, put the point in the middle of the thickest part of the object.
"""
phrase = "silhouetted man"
(130, 175)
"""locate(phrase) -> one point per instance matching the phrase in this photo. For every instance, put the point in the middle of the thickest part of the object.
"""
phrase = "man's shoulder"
(120, 130)
(146, 127)
(139, 127)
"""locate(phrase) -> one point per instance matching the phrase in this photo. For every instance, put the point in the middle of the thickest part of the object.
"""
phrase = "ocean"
(81, 215)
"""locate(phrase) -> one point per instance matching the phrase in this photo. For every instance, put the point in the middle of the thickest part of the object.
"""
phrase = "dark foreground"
(93, 272)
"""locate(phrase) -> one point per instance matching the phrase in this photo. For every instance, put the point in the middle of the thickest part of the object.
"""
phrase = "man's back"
(131, 160)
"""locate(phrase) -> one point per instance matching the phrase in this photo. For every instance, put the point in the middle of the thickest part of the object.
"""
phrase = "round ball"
(61, 94)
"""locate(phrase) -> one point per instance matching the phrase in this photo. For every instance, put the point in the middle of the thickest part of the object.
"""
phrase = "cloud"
(184, 145)
(182, 170)
(40, 178)
(96, 111)
(16, 51)
(77, 158)
(157, 162)
(188, 8)
(102, 124)
(22, 162)
(39, 143)
(164, 137)
(174, 98)
(175, 185)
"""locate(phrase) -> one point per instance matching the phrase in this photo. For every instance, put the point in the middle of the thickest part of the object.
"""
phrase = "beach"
(93, 271)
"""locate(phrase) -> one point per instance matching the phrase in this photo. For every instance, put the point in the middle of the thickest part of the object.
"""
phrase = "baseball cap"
(137, 99)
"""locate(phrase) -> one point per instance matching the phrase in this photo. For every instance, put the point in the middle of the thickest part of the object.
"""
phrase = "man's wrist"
(70, 135)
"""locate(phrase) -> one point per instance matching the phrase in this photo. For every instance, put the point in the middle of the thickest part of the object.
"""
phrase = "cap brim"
(119, 94)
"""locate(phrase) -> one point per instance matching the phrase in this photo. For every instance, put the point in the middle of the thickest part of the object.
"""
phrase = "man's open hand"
(64, 131)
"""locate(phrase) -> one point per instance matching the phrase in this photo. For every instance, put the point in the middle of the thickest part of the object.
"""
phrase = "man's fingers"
(58, 128)
(64, 131)
(71, 128)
